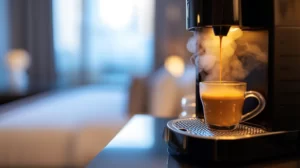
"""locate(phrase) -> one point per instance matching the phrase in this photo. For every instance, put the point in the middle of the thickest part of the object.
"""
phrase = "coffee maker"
(275, 131)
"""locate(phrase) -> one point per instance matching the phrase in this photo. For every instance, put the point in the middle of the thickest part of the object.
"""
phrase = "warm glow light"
(18, 60)
(198, 18)
(175, 65)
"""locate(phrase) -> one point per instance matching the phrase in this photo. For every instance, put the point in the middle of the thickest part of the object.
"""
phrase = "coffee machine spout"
(221, 30)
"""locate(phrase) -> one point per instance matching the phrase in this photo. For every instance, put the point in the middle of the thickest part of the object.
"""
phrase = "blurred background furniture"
(161, 93)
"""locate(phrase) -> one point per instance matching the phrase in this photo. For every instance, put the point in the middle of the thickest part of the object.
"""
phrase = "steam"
(239, 57)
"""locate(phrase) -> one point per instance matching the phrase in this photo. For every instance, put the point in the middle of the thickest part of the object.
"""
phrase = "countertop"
(140, 144)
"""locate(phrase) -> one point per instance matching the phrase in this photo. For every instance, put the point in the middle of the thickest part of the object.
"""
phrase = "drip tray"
(191, 138)
(197, 127)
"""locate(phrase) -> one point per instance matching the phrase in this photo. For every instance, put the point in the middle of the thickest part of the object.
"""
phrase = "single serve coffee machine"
(259, 41)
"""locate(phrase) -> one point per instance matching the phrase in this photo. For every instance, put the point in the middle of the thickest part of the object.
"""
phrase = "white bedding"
(66, 128)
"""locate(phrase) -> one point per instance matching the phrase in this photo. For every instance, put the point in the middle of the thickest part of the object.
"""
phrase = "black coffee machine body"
(275, 26)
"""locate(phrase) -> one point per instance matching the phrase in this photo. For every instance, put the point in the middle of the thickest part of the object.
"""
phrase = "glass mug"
(223, 104)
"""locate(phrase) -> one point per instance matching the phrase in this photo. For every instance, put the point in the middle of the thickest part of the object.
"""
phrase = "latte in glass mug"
(223, 104)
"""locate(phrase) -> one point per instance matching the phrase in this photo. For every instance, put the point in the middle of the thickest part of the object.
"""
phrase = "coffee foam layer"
(222, 94)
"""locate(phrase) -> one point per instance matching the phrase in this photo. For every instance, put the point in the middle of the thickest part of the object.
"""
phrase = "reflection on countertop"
(136, 134)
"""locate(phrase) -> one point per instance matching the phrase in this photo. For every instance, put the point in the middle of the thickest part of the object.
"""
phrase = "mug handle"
(261, 105)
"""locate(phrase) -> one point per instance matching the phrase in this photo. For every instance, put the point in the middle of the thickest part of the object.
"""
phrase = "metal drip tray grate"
(197, 127)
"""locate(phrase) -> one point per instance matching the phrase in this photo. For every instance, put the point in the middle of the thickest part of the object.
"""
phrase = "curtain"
(4, 41)
(30, 23)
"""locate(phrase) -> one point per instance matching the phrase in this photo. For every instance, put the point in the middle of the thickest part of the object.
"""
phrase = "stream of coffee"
(220, 77)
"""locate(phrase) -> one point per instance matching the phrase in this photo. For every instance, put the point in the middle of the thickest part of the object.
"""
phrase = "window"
(99, 41)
